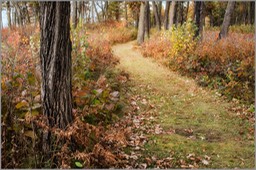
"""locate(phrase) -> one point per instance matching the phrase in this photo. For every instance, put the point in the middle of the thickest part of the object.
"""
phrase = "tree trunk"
(74, 14)
(160, 11)
(226, 22)
(187, 8)
(172, 12)
(18, 12)
(137, 20)
(177, 12)
(92, 9)
(157, 16)
(36, 12)
(147, 18)
(26, 13)
(79, 10)
(166, 15)
(181, 13)
(125, 13)
(244, 12)
(8, 14)
(141, 31)
(211, 20)
(117, 10)
(106, 10)
(251, 12)
(55, 58)
(82, 12)
(98, 16)
(191, 11)
(199, 18)
(14, 17)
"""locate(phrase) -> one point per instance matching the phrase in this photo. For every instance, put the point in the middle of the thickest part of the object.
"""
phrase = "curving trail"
(187, 120)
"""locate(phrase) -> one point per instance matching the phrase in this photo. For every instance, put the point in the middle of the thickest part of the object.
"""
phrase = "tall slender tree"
(141, 29)
(147, 19)
(171, 14)
(157, 16)
(166, 15)
(74, 14)
(8, 14)
(226, 22)
(191, 11)
(199, 18)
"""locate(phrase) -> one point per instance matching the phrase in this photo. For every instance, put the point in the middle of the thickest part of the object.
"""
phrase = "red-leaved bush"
(226, 64)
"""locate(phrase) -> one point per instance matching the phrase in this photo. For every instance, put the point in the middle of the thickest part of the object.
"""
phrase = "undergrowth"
(226, 65)
(95, 101)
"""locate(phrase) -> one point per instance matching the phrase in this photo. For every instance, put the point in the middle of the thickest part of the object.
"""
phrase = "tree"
(251, 14)
(26, 13)
(74, 14)
(19, 13)
(191, 11)
(199, 18)
(141, 31)
(172, 12)
(125, 13)
(8, 14)
(55, 58)
(166, 15)
(135, 9)
(147, 19)
(95, 8)
(226, 23)
(157, 16)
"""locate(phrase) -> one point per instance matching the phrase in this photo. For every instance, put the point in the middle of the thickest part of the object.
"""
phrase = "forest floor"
(177, 122)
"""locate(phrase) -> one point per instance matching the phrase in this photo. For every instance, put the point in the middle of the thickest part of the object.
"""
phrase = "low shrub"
(243, 29)
(226, 65)
(229, 63)
(159, 46)
(113, 31)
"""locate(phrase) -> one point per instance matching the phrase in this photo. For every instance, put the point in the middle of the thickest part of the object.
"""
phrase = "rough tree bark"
(166, 15)
(157, 16)
(55, 58)
(141, 30)
(172, 12)
(226, 22)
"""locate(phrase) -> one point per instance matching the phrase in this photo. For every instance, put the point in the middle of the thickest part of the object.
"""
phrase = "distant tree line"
(159, 13)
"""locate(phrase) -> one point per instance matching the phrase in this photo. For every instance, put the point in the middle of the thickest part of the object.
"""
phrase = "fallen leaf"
(21, 104)
(205, 162)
